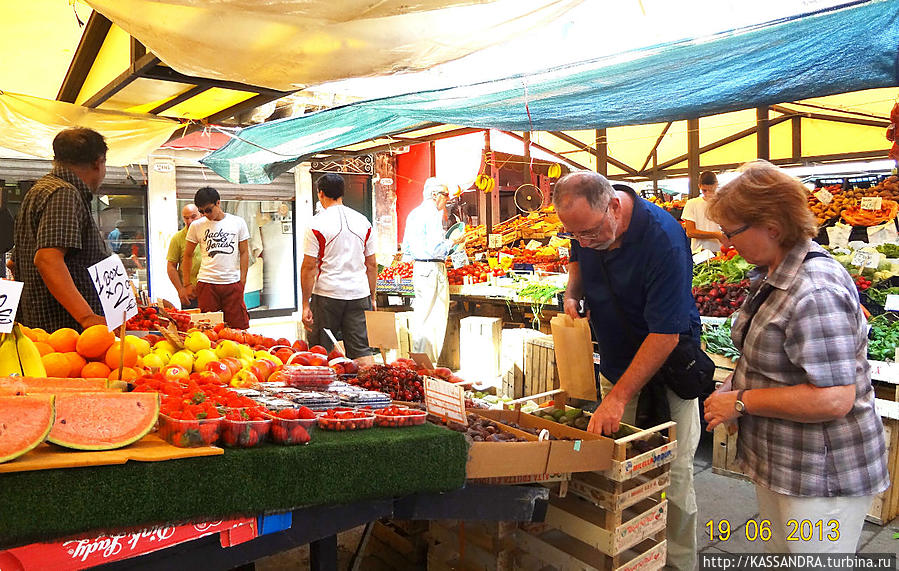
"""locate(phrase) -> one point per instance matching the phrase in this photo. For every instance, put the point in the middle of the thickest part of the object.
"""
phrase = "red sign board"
(87, 552)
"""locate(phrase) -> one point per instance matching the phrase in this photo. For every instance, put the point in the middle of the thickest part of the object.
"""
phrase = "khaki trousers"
(430, 308)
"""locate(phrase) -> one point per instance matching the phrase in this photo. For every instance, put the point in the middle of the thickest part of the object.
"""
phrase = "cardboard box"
(502, 459)
(211, 317)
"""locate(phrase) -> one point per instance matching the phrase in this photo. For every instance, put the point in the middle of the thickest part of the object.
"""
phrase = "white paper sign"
(563, 252)
(838, 235)
(459, 259)
(892, 303)
(10, 293)
(445, 400)
(883, 234)
(495, 241)
(111, 282)
(824, 196)
(864, 259)
(504, 256)
(479, 256)
(871, 203)
(703, 256)
(533, 245)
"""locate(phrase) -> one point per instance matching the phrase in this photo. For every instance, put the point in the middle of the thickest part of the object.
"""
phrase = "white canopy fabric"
(290, 44)
(29, 124)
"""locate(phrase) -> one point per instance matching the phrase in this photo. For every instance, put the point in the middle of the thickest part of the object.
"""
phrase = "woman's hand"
(720, 408)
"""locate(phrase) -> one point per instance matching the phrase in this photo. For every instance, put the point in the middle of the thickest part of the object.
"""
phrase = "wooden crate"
(724, 453)
(560, 551)
(618, 496)
(449, 355)
(476, 545)
(512, 360)
(610, 532)
(480, 342)
(540, 373)
(396, 546)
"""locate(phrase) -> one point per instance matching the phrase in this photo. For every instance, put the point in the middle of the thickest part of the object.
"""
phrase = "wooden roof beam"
(656, 146)
(92, 38)
(124, 79)
(546, 150)
(835, 118)
(164, 73)
(585, 147)
(178, 99)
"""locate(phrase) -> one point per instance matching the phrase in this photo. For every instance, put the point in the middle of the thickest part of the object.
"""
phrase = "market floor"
(719, 497)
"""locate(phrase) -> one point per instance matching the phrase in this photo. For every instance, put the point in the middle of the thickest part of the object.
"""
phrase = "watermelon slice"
(56, 384)
(103, 421)
(25, 422)
(11, 386)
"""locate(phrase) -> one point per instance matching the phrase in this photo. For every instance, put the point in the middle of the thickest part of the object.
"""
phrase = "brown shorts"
(227, 298)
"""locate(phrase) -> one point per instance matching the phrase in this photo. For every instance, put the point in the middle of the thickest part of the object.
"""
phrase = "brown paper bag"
(573, 347)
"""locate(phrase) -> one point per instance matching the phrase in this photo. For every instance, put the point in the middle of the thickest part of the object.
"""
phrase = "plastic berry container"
(399, 417)
(291, 431)
(189, 433)
(244, 433)
(306, 376)
(346, 419)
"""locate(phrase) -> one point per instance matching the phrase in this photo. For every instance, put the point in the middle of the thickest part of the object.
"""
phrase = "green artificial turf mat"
(335, 468)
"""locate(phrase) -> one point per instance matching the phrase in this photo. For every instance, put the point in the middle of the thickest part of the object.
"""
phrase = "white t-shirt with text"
(218, 241)
(695, 210)
(340, 239)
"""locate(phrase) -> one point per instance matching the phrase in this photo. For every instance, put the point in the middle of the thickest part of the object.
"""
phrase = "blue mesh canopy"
(824, 53)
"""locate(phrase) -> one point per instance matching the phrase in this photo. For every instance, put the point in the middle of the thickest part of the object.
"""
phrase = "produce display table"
(335, 468)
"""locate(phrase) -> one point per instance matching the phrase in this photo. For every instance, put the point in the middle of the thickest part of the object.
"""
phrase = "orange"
(43, 348)
(94, 341)
(128, 374)
(57, 365)
(76, 361)
(95, 370)
(112, 355)
(63, 340)
(35, 334)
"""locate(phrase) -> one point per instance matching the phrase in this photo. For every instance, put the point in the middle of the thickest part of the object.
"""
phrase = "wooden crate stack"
(471, 545)
(396, 544)
(480, 346)
(540, 373)
(612, 520)
(513, 359)
(885, 506)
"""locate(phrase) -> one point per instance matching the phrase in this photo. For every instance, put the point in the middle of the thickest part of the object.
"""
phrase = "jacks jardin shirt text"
(218, 241)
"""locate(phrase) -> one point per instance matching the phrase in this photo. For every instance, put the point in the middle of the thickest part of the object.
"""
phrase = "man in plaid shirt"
(57, 239)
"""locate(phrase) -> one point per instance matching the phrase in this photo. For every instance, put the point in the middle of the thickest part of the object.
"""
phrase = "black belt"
(443, 261)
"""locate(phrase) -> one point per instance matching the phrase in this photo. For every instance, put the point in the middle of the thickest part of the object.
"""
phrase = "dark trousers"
(344, 315)
(227, 298)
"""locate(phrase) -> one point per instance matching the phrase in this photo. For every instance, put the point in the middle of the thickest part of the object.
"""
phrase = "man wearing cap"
(425, 243)
(631, 265)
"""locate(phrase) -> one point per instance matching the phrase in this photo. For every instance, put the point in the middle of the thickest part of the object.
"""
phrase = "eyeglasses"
(594, 233)
(732, 233)
(207, 210)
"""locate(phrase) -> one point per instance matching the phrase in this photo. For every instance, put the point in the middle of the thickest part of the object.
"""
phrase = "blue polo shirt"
(651, 274)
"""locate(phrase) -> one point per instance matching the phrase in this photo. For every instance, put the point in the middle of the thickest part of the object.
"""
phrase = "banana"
(9, 356)
(29, 356)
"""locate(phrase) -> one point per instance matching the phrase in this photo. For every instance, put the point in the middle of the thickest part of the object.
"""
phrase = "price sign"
(479, 256)
(892, 303)
(446, 400)
(871, 203)
(10, 293)
(864, 259)
(703, 256)
(824, 196)
(533, 245)
(495, 241)
(114, 289)
(504, 256)
(563, 252)
(459, 259)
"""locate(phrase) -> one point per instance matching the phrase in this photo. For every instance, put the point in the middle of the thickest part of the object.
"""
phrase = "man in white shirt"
(339, 272)
(424, 242)
(222, 239)
(703, 233)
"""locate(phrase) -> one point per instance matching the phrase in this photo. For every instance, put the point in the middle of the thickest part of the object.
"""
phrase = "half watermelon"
(25, 421)
(103, 421)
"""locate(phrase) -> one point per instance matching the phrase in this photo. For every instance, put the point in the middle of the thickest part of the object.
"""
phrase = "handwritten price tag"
(10, 293)
(864, 259)
(871, 203)
(824, 196)
(479, 256)
(703, 256)
(892, 303)
(563, 252)
(459, 259)
(446, 400)
(495, 241)
(111, 282)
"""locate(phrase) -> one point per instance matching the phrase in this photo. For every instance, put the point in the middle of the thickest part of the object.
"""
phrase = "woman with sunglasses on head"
(801, 392)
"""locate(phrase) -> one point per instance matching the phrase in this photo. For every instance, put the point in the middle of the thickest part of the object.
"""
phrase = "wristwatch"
(739, 405)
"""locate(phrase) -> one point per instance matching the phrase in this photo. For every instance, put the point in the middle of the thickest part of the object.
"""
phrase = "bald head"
(592, 187)
(189, 213)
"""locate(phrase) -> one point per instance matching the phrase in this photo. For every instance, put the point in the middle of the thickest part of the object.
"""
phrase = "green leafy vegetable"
(717, 340)
(883, 337)
(889, 250)
(732, 271)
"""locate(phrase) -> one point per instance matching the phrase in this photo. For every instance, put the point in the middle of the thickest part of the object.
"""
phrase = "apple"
(267, 367)
(284, 354)
(183, 358)
(142, 346)
(174, 373)
(220, 369)
(319, 349)
(300, 345)
(227, 348)
(152, 361)
(261, 372)
(165, 346)
(245, 352)
(282, 341)
(244, 378)
(318, 361)
(299, 359)
(208, 377)
(335, 353)
(203, 357)
(197, 341)
(232, 364)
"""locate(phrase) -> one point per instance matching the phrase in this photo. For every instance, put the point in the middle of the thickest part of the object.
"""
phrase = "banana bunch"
(19, 355)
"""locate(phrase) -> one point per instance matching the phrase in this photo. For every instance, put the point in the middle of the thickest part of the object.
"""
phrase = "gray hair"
(433, 186)
(591, 186)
